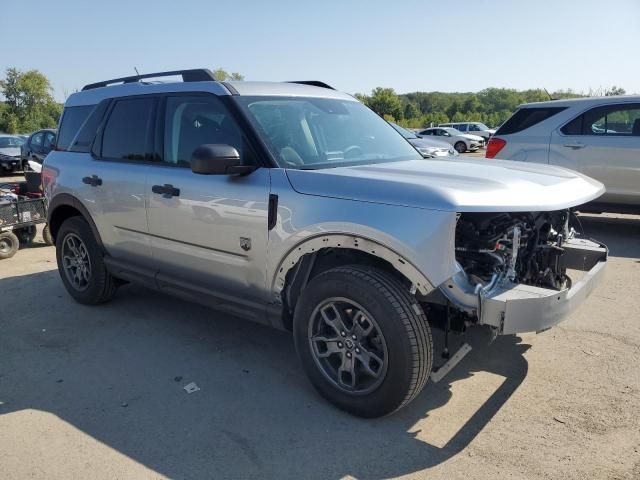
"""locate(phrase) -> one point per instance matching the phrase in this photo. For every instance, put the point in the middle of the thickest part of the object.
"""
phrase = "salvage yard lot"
(97, 392)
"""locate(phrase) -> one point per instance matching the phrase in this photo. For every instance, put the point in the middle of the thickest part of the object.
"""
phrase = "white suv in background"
(599, 137)
(473, 128)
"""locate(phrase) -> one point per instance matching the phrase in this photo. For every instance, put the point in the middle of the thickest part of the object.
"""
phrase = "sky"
(354, 45)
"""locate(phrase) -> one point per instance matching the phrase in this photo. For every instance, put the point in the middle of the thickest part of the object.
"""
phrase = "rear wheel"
(460, 147)
(9, 245)
(81, 263)
(363, 340)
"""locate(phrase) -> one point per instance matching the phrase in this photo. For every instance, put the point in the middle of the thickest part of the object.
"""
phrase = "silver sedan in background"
(427, 147)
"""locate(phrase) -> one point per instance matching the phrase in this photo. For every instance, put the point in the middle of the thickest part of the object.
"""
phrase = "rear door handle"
(575, 146)
(93, 180)
(167, 190)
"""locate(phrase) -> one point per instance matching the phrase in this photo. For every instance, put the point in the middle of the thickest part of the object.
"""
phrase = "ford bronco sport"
(294, 205)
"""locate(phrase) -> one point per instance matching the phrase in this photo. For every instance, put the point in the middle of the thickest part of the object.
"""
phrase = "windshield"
(452, 131)
(6, 142)
(482, 126)
(403, 131)
(314, 133)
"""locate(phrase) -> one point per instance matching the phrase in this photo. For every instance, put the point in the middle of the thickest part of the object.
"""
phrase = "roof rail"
(193, 75)
(314, 83)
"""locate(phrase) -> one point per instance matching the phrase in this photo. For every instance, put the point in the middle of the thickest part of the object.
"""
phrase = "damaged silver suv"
(294, 205)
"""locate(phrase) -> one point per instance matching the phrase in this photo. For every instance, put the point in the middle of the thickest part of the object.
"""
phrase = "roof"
(95, 95)
(585, 101)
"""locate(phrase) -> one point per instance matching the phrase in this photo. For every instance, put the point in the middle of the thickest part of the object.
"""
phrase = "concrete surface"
(97, 392)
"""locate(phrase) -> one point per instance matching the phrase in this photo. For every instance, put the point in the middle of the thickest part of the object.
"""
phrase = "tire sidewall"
(93, 292)
(460, 150)
(392, 391)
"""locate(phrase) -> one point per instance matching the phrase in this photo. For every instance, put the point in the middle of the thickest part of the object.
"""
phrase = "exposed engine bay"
(522, 247)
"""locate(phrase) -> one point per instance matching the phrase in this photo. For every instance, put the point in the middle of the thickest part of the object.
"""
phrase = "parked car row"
(428, 148)
(599, 137)
(16, 151)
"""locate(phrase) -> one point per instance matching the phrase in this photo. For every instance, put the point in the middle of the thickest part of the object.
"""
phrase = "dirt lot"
(98, 392)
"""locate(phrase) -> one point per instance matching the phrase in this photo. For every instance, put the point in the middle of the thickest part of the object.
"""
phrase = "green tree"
(384, 101)
(29, 103)
(411, 111)
(222, 75)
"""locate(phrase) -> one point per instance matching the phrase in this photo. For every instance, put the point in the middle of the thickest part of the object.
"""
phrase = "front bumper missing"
(517, 308)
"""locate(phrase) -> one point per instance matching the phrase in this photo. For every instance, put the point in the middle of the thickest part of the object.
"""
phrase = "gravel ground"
(97, 392)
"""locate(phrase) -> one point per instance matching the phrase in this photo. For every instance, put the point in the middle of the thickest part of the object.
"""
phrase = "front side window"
(194, 121)
(474, 128)
(49, 140)
(37, 140)
(315, 133)
(127, 133)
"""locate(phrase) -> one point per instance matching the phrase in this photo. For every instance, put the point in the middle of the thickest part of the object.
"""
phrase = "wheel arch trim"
(63, 200)
(419, 281)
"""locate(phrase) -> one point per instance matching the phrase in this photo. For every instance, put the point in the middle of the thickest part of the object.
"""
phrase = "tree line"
(29, 103)
(491, 106)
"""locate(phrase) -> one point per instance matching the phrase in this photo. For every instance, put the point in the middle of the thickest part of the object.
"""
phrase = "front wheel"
(363, 340)
(81, 263)
(460, 147)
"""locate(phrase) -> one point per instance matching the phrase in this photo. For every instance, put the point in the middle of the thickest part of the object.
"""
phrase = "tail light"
(494, 146)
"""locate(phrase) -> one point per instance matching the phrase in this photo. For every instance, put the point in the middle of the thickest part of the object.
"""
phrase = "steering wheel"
(353, 151)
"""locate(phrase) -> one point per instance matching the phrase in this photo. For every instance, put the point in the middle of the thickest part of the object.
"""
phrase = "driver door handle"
(575, 146)
(166, 190)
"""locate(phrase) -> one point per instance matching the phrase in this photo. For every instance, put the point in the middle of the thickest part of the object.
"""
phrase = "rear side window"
(526, 118)
(610, 120)
(72, 120)
(84, 138)
(127, 133)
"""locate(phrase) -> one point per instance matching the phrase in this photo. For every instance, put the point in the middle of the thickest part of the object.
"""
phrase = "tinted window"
(84, 138)
(474, 128)
(612, 120)
(574, 127)
(526, 118)
(49, 140)
(126, 134)
(194, 121)
(37, 139)
(72, 119)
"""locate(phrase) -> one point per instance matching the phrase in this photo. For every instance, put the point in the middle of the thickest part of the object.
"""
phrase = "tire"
(9, 245)
(400, 353)
(81, 264)
(460, 147)
(46, 235)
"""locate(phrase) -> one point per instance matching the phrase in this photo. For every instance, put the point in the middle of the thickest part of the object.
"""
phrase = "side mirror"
(218, 159)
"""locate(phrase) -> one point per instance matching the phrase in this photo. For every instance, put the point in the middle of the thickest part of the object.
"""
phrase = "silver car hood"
(10, 151)
(458, 185)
